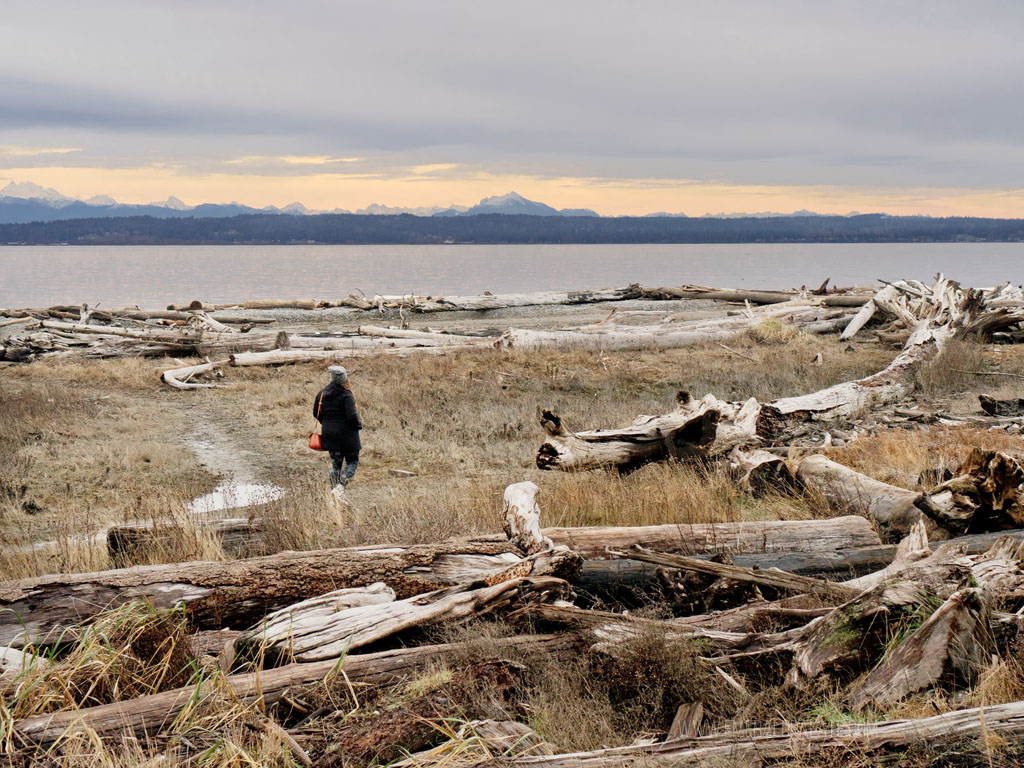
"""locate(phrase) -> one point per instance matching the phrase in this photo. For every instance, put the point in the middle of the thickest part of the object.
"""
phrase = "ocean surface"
(155, 276)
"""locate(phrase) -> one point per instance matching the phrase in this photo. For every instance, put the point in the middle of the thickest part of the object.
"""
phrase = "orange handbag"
(314, 437)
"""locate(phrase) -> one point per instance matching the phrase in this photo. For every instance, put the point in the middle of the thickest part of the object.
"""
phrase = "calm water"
(154, 276)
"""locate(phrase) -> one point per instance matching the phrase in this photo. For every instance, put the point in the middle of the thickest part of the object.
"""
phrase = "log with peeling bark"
(307, 633)
(238, 593)
(147, 715)
(755, 746)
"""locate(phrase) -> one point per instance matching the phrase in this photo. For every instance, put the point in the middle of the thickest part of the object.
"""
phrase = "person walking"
(335, 408)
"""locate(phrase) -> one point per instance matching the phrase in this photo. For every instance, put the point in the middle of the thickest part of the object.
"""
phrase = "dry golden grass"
(88, 444)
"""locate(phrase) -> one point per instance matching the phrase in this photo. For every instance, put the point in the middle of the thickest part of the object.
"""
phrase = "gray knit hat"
(338, 374)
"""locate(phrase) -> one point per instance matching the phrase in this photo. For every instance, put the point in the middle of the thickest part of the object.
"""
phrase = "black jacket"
(339, 420)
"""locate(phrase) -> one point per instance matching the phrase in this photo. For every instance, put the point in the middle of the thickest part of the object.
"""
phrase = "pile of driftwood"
(212, 330)
(900, 621)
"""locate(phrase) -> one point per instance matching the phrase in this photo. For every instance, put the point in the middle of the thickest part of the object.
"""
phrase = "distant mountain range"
(22, 202)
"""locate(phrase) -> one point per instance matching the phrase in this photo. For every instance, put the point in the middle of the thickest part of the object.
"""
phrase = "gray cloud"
(785, 92)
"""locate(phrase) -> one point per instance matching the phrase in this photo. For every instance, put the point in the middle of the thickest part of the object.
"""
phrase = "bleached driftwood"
(895, 509)
(325, 636)
(290, 356)
(538, 298)
(695, 430)
(742, 747)
(152, 713)
(673, 335)
(520, 517)
(237, 593)
(179, 377)
(939, 313)
(951, 647)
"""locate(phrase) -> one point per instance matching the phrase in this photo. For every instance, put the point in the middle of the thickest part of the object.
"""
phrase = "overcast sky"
(621, 107)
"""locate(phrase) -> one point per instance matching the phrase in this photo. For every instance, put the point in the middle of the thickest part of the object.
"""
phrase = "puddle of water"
(231, 495)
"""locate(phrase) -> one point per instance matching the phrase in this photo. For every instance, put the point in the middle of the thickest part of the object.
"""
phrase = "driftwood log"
(239, 593)
(752, 747)
(673, 335)
(153, 713)
(306, 632)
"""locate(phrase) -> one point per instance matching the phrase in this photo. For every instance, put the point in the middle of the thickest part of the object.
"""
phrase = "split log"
(407, 333)
(853, 636)
(310, 633)
(755, 746)
(236, 594)
(696, 430)
(950, 648)
(151, 714)
(760, 471)
(178, 378)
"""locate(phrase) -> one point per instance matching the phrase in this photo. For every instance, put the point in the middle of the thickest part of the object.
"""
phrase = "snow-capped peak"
(173, 203)
(26, 190)
(512, 198)
(100, 200)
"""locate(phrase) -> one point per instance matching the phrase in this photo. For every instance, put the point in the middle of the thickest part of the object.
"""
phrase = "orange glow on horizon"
(421, 186)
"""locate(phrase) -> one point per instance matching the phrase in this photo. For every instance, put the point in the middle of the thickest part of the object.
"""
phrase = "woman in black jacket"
(335, 408)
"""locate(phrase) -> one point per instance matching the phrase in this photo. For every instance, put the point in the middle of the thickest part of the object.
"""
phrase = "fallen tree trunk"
(238, 593)
(352, 343)
(696, 430)
(178, 378)
(757, 745)
(894, 509)
(538, 298)
(674, 335)
(766, 536)
(290, 356)
(146, 715)
(305, 632)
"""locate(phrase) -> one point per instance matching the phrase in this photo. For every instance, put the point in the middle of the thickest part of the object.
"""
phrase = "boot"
(338, 495)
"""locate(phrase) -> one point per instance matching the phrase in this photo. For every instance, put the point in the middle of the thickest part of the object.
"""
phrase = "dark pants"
(343, 466)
